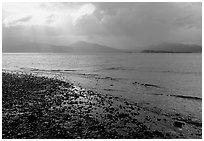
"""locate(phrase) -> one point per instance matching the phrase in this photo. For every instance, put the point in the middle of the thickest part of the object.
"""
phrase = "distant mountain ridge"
(86, 47)
(174, 48)
(82, 46)
(31, 47)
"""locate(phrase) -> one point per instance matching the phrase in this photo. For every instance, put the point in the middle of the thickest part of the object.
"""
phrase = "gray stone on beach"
(179, 124)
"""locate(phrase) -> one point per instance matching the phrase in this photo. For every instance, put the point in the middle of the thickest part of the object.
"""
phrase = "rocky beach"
(41, 107)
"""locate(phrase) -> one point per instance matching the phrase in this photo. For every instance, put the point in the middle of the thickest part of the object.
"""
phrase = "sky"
(119, 25)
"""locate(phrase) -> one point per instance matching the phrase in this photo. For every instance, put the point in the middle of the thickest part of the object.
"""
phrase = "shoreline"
(41, 107)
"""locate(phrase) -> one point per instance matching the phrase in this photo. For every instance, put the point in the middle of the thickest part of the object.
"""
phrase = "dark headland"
(38, 107)
(173, 48)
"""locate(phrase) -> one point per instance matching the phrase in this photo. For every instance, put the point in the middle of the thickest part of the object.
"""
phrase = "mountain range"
(173, 48)
(31, 47)
(85, 47)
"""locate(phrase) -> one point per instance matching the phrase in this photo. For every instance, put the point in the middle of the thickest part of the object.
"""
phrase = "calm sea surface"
(170, 82)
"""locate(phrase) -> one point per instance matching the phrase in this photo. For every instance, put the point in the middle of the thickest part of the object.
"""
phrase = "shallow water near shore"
(171, 83)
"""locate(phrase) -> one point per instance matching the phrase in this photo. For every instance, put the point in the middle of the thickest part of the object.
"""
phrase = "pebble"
(158, 119)
(179, 124)
(32, 117)
(123, 115)
(16, 118)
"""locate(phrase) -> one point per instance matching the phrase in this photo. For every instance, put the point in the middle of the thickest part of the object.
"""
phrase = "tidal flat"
(39, 107)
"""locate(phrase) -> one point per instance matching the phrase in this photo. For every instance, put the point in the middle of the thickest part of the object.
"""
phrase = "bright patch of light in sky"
(28, 15)
(85, 10)
(31, 14)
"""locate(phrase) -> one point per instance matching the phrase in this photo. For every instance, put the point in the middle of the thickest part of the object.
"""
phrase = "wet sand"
(36, 107)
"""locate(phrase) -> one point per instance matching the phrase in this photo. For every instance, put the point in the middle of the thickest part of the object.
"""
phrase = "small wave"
(63, 70)
(180, 96)
(156, 94)
(181, 72)
(53, 70)
(115, 68)
(109, 78)
(113, 90)
(89, 75)
(186, 97)
(97, 76)
(30, 69)
(70, 70)
(146, 84)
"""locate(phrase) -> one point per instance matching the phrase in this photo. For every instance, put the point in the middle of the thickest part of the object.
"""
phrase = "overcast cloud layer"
(120, 25)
